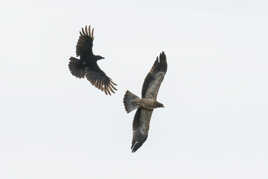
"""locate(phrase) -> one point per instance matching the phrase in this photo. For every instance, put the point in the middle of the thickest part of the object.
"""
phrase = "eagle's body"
(87, 65)
(147, 103)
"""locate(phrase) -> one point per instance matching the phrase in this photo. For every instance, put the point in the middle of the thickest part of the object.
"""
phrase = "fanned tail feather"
(76, 67)
(130, 101)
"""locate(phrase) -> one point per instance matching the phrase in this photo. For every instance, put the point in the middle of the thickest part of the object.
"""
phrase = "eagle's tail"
(131, 101)
(76, 67)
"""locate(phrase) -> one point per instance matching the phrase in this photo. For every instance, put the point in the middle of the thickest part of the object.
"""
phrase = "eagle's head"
(159, 105)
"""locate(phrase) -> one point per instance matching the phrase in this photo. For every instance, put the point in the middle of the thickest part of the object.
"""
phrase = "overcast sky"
(213, 126)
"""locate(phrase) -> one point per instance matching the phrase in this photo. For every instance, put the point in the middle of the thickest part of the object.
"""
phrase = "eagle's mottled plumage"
(147, 103)
(87, 65)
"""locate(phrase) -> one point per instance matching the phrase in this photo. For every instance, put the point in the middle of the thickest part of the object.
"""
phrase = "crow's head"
(98, 57)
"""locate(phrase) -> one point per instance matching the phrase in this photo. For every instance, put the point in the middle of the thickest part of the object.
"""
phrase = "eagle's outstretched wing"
(85, 42)
(100, 80)
(154, 78)
(140, 127)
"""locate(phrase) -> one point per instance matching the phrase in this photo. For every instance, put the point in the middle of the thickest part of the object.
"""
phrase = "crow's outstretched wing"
(155, 77)
(85, 42)
(100, 80)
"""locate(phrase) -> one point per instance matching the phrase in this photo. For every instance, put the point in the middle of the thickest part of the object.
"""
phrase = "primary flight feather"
(87, 65)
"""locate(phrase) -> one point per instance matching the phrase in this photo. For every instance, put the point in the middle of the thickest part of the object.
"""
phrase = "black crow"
(87, 65)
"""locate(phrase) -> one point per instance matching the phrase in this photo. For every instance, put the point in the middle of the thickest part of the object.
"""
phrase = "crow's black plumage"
(87, 65)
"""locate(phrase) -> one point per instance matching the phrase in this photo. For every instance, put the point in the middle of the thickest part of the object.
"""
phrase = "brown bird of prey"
(147, 103)
(87, 65)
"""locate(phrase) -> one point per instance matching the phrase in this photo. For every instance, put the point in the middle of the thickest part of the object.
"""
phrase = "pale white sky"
(215, 122)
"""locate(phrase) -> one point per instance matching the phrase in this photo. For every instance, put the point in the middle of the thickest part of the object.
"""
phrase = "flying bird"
(147, 103)
(87, 65)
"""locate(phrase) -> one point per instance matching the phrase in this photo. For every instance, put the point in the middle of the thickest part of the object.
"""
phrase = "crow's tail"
(76, 67)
